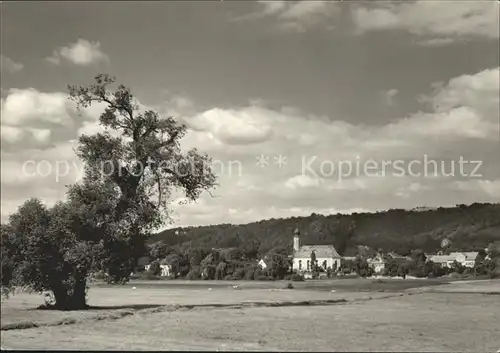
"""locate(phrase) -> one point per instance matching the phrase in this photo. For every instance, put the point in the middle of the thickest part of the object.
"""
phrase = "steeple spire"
(296, 232)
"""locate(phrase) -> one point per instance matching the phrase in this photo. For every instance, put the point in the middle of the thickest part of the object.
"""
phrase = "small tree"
(313, 261)
(155, 268)
(158, 250)
(457, 267)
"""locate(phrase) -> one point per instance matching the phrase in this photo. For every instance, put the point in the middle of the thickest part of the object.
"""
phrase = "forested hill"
(468, 227)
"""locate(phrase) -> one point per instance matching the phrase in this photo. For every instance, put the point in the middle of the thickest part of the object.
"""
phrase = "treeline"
(469, 228)
(237, 264)
(229, 263)
(419, 267)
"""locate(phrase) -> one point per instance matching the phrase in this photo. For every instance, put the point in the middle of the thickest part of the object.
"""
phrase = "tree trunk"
(78, 299)
(74, 299)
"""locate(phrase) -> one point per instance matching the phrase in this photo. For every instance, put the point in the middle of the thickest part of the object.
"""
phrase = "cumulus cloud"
(457, 118)
(231, 126)
(82, 52)
(9, 65)
(295, 16)
(11, 134)
(438, 22)
(24, 107)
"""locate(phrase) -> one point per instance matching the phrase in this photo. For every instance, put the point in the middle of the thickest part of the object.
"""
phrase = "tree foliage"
(131, 169)
(400, 231)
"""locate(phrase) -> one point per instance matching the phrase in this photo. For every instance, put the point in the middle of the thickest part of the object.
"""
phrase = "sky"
(305, 107)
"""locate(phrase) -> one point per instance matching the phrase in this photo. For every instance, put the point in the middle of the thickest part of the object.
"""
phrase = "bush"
(263, 278)
(194, 274)
(239, 273)
(148, 275)
(297, 277)
(250, 274)
(155, 268)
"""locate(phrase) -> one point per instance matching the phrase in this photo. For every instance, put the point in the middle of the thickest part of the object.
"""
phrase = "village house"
(466, 259)
(262, 264)
(379, 262)
(165, 269)
(326, 255)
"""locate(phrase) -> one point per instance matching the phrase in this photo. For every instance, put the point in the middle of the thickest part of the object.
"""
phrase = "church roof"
(321, 251)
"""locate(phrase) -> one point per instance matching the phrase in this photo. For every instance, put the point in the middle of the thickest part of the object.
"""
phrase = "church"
(326, 255)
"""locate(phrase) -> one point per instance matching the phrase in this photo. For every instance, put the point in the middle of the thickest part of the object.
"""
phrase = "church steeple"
(296, 232)
(296, 238)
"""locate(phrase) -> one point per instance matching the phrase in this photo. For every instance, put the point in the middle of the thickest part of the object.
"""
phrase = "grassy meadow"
(333, 315)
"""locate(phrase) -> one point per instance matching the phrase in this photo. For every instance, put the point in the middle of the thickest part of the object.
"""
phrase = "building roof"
(440, 258)
(321, 251)
(469, 255)
(396, 256)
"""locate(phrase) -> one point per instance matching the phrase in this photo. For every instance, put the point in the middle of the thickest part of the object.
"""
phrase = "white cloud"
(478, 91)
(302, 181)
(9, 65)
(490, 187)
(24, 107)
(389, 96)
(93, 127)
(41, 135)
(295, 16)
(231, 126)
(439, 21)
(11, 134)
(461, 114)
(82, 52)
(272, 7)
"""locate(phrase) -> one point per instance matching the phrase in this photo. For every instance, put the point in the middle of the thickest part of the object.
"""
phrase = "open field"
(461, 316)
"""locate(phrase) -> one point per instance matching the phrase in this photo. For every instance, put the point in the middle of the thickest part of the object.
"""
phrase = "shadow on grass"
(107, 307)
(120, 307)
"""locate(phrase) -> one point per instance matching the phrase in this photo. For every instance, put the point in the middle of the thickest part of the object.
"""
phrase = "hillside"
(468, 227)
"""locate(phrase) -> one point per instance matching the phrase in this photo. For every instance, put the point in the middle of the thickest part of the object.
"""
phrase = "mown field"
(336, 315)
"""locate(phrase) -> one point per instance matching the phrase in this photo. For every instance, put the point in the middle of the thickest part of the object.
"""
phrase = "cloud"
(11, 134)
(389, 96)
(232, 127)
(294, 16)
(24, 107)
(438, 22)
(9, 65)
(82, 52)
(41, 135)
(302, 181)
(489, 187)
(456, 118)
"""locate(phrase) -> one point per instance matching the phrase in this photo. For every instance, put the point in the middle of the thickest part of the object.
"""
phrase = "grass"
(456, 317)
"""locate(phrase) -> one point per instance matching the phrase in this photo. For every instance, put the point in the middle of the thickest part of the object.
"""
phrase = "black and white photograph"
(250, 175)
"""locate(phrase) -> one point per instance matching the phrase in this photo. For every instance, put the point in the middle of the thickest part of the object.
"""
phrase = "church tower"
(296, 239)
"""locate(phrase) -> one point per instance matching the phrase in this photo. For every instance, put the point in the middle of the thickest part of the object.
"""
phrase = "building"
(442, 260)
(165, 269)
(326, 255)
(379, 262)
(466, 258)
